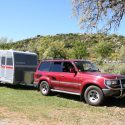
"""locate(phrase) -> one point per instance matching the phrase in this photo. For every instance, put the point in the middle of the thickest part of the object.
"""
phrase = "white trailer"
(17, 67)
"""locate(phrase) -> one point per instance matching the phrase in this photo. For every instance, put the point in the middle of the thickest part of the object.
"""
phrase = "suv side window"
(44, 66)
(67, 66)
(56, 67)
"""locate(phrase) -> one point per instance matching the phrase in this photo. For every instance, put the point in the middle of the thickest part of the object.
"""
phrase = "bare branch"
(99, 14)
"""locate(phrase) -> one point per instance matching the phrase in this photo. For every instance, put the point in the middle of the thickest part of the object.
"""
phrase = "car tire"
(44, 88)
(94, 96)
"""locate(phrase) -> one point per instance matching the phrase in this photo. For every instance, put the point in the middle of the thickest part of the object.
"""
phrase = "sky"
(21, 19)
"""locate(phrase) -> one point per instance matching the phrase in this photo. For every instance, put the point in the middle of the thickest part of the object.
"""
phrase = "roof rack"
(55, 59)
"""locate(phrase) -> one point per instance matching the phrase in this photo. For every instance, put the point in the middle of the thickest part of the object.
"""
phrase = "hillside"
(90, 46)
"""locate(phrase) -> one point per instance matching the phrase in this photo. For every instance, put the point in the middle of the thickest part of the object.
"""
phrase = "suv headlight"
(112, 83)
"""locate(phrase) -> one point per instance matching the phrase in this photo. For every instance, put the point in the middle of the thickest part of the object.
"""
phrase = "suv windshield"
(86, 66)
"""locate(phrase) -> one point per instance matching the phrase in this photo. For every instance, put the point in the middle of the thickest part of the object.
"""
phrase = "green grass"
(58, 108)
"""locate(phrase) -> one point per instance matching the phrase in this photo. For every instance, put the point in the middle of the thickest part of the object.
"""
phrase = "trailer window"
(9, 61)
(25, 59)
(3, 60)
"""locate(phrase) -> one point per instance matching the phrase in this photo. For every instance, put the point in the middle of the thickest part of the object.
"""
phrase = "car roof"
(62, 60)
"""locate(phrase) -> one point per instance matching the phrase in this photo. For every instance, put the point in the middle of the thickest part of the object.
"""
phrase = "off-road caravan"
(17, 67)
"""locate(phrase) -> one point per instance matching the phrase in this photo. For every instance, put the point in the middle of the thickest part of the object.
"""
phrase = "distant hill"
(90, 46)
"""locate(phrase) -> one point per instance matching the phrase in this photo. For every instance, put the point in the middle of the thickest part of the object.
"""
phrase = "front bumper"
(112, 92)
(120, 91)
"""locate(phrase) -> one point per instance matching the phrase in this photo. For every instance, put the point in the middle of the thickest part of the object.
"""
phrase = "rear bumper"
(111, 92)
(36, 85)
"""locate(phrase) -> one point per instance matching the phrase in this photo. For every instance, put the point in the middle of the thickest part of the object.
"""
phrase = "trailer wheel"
(94, 96)
(44, 88)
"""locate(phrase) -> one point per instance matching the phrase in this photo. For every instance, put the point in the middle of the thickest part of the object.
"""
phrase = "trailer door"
(9, 67)
(3, 67)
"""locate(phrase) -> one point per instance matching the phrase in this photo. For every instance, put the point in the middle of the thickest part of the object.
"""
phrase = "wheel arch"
(87, 85)
(47, 80)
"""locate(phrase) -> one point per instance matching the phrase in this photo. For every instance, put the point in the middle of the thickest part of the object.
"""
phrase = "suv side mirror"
(99, 70)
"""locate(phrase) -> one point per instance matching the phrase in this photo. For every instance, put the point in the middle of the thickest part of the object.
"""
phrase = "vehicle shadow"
(109, 102)
(118, 102)
(18, 87)
(68, 96)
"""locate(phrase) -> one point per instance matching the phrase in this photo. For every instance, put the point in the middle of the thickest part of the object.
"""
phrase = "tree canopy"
(99, 15)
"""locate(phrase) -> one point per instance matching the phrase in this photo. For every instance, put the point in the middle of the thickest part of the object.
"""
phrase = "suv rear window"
(44, 66)
(56, 67)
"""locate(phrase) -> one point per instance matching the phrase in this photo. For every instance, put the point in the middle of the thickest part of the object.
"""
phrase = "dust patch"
(14, 118)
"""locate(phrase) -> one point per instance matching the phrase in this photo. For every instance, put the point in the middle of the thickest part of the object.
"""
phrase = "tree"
(55, 50)
(79, 50)
(104, 49)
(99, 14)
(122, 53)
(5, 43)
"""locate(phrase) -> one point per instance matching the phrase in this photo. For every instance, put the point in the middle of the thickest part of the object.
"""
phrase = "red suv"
(78, 77)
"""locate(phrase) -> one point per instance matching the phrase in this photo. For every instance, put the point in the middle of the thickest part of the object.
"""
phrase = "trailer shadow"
(18, 87)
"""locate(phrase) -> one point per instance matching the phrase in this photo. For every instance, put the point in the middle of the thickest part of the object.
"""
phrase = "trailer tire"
(44, 88)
